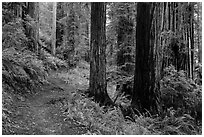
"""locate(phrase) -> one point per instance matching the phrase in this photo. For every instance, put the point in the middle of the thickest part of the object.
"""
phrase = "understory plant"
(181, 93)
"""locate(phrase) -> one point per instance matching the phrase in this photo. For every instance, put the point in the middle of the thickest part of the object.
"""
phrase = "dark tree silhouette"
(145, 91)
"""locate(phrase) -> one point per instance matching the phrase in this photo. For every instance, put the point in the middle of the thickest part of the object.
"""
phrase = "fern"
(179, 92)
(13, 35)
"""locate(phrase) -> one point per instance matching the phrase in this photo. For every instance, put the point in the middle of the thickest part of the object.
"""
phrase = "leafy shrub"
(13, 35)
(173, 125)
(16, 33)
(98, 120)
(51, 62)
(45, 38)
(123, 81)
(7, 101)
(8, 11)
(198, 74)
(180, 92)
(21, 70)
(22, 74)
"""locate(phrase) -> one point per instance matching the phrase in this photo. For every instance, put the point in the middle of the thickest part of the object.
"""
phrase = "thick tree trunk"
(97, 83)
(145, 91)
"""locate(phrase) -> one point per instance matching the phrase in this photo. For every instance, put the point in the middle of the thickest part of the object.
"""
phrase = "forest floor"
(59, 107)
(43, 113)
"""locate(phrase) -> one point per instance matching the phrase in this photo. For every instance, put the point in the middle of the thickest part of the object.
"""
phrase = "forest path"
(43, 113)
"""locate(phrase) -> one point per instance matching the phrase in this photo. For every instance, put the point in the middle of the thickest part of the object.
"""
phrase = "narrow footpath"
(43, 113)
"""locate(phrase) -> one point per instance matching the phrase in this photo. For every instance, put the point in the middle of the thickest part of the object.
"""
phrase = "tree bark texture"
(98, 85)
(192, 37)
(33, 33)
(145, 96)
(200, 32)
(54, 28)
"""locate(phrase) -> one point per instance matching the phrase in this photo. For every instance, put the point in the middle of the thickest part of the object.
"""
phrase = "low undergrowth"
(23, 73)
(181, 103)
(21, 70)
(52, 63)
(181, 94)
(99, 120)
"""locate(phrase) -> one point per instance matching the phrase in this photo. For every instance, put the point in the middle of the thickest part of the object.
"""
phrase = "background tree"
(54, 28)
(178, 38)
(124, 37)
(83, 11)
(199, 31)
(73, 31)
(120, 35)
(97, 83)
(33, 12)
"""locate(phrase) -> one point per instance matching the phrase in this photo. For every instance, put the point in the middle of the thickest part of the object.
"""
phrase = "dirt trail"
(43, 113)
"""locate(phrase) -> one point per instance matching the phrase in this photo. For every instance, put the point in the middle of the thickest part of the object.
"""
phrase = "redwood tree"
(32, 9)
(199, 31)
(145, 91)
(97, 83)
(54, 28)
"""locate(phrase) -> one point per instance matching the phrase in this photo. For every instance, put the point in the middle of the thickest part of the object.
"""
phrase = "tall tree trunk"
(19, 10)
(33, 11)
(54, 28)
(89, 32)
(192, 37)
(199, 32)
(190, 60)
(37, 17)
(97, 83)
(188, 47)
(145, 91)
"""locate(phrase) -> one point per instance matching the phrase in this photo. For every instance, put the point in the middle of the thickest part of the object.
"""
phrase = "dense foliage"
(120, 36)
(23, 72)
(181, 93)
